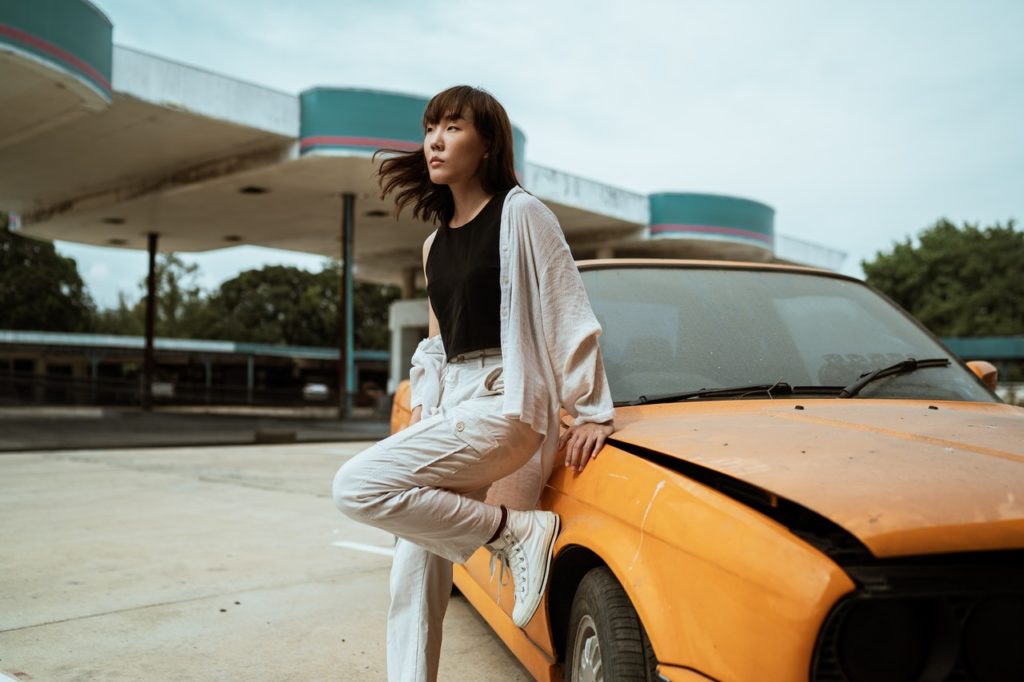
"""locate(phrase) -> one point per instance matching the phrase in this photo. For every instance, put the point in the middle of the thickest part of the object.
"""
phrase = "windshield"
(672, 329)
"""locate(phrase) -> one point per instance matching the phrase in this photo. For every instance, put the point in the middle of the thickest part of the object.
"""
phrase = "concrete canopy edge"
(301, 153)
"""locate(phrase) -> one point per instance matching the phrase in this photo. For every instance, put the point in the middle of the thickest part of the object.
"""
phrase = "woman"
(513, 340)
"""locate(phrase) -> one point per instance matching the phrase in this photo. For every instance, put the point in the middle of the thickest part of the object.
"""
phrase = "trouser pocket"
(462, 431)
(494, 381)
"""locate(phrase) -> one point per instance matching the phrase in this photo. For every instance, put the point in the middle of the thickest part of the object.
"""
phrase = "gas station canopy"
(105, 145)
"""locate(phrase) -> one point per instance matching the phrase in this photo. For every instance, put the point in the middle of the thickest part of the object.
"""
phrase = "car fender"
(718, 587)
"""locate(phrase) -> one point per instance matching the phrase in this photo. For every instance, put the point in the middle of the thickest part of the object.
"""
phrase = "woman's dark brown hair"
(406, 173)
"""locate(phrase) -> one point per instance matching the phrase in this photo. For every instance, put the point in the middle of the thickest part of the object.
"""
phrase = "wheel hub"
(587, 653)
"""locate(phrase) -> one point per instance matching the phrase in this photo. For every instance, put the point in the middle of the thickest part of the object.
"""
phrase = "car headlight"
(922, 622)
(992, 639)
(891, 640)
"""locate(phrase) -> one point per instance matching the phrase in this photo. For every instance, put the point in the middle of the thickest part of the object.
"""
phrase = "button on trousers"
(426, 485)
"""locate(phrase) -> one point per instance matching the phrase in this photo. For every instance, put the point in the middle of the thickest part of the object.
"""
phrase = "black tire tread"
(626, 653)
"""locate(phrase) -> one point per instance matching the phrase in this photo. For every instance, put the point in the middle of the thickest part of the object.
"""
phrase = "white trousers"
(426, 485)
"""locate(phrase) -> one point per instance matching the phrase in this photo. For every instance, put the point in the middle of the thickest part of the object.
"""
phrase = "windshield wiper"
(779, 388)
(908, 365)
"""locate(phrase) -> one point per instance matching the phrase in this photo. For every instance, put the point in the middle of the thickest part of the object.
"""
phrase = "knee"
(347, 489)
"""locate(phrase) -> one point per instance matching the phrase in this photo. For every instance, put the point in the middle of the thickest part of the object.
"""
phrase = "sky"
(859, 123)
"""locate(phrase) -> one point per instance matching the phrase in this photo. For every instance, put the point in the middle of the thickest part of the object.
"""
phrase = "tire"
(605, 641)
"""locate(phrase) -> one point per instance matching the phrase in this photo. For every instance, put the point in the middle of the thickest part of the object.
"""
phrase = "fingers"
(579, 451)
(564, 437)
(571, 438)
(583, 445)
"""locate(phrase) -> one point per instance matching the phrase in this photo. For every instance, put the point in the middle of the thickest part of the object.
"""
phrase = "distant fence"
(26, 388)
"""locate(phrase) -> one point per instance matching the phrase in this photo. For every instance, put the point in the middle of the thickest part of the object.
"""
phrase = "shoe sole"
(550, 543)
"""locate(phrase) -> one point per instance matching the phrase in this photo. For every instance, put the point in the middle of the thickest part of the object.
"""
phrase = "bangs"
(453, 103)
(405, 172)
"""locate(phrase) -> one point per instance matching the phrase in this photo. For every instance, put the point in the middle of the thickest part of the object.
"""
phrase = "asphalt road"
(201, 563)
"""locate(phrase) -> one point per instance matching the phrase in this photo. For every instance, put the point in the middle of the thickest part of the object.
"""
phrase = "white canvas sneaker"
(526, 545)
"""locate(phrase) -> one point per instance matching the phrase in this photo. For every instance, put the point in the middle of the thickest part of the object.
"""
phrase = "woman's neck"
(469, 199)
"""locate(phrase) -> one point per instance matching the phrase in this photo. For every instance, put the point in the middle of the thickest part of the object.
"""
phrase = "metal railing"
(26, 388)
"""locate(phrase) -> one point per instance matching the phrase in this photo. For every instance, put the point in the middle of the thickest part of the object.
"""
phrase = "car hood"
(905, 477)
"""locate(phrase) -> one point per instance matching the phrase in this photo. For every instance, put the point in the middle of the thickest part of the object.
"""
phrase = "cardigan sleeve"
(425, 375)
(570, 326)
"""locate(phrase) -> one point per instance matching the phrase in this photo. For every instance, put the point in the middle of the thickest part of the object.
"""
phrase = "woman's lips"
(436, 162)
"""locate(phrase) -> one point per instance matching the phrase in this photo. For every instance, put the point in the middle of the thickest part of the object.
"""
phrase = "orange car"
(804, 485)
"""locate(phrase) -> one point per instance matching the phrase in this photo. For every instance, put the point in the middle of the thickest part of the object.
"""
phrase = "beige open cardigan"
(550, 353)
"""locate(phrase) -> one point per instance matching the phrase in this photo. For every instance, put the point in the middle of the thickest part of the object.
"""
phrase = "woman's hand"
(584, 441)
(417, 412)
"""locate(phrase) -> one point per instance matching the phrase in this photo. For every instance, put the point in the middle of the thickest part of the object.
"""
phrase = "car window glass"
(681, 329)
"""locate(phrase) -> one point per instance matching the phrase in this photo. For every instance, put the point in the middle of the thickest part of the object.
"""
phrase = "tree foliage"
(958, 281)
(180, 303)
(275, 304)
(40, 290)
(279, 304)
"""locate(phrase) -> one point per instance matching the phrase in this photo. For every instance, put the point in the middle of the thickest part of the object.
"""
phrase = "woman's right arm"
(426, 365)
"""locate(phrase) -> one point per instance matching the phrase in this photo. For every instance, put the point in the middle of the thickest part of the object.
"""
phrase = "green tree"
(180, 304)
(287, 305)
(275, 304)
(958, 281)
(40, 290)
(123, 319)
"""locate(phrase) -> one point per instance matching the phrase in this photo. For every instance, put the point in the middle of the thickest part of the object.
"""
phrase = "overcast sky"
(860, 123)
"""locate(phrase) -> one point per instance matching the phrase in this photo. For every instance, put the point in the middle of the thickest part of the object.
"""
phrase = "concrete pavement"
(200, 563)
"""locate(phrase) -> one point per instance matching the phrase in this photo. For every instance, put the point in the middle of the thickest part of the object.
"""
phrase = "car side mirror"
(986, 371)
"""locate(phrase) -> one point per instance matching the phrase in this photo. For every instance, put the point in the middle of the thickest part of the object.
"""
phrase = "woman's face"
(453, 149)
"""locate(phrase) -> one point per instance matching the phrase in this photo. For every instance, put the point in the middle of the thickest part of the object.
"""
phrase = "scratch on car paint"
(619, 476)
(914, 438)
(643, 522)
(1009, 509)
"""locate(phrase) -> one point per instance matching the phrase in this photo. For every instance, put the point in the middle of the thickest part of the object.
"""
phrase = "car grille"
(954, 619)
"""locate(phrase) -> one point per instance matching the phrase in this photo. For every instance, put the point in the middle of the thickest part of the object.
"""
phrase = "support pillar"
(94, 357)
(39, 380)
(409, 282)
(207, 361)
(346, 340)
(250, 378)
(147, 357)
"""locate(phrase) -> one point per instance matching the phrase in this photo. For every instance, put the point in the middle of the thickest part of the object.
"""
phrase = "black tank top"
(462, 281)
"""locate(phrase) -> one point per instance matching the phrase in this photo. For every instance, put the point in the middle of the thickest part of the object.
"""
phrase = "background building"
(109, 146)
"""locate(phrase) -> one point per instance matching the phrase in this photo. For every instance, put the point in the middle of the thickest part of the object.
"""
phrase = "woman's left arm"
(572, 332)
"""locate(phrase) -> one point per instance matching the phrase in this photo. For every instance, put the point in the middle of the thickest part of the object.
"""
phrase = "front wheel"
(606, 640)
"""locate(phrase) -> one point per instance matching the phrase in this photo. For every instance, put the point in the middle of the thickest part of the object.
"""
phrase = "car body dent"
(677, 576)
(904, 477)
(698, 567)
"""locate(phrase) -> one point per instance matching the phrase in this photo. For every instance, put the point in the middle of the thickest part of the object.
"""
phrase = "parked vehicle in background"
(316, 390)
(804, 484)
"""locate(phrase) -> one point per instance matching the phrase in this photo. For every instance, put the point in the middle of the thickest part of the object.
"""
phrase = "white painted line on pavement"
(5, 678)
(369, 549)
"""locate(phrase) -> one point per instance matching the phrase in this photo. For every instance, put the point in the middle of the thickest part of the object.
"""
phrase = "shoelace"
(501, 558)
